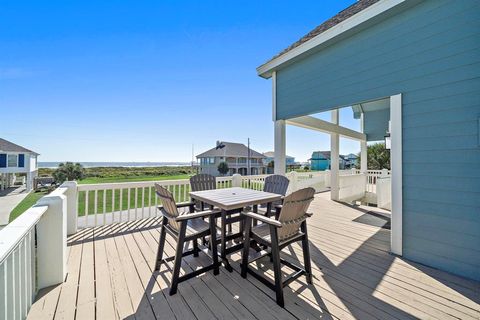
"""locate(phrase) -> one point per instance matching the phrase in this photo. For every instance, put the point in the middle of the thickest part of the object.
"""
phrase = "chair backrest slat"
(276, 184)
(295, 206)
(169, 205)
(202, 182)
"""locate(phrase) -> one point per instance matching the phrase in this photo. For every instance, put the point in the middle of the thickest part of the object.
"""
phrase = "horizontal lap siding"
(431, 54)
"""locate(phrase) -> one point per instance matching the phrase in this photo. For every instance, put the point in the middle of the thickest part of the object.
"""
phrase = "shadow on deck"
(110, 276)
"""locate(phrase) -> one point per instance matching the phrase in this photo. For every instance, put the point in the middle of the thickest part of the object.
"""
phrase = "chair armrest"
(264, 219)
(185, 204)
(199, 214)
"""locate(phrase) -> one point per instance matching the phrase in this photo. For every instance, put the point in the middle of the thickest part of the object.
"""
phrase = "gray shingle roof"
(343, 15)
(271, 154)
(231, 149)
(8, 146)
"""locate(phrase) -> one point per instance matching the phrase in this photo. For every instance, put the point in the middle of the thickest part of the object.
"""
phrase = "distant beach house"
(235, 155)
(16, 160)
(269, 156)
(320, 161)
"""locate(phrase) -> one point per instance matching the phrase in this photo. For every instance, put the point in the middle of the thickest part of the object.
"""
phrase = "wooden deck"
(110, 277)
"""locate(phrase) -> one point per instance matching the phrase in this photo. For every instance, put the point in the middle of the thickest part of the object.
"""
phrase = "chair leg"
(277, 267)
(255, 210)
(161, 245)
(213, 245)
(306, 253)
(178, 258)
(246, 247)
(195, 248)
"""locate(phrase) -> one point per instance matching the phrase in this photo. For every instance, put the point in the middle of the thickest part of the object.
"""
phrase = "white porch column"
(334, 158)
(280, 147)
(396, 173)
(363, 147)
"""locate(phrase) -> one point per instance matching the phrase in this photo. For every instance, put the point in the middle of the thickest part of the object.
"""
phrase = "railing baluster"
(28, 263)
(143, 202)
(120, 204)
(3, 291)
(156, 204)
(113, 205)
(10, 287)
(95, 207)
(86, 208)
(128, 204)
(136, 203)
(17, 289)
(149, 202)
(185, 194)
(104, 205)
(23, 277)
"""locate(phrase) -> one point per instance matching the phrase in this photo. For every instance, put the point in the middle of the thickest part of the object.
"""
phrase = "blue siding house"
(412, 69)
(320, 161)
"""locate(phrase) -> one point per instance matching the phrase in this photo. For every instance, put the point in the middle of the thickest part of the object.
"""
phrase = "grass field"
(26, 203)
(110, 175)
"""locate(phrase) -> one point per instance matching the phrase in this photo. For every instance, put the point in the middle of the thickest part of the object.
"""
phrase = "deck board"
(110, 276)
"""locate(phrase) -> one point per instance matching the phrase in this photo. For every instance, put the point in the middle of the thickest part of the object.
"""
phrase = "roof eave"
(266, 69)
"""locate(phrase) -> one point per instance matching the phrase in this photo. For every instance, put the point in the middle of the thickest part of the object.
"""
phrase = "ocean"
(117, 164)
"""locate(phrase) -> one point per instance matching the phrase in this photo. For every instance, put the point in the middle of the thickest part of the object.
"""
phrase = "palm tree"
(378, 157)
(68, 171)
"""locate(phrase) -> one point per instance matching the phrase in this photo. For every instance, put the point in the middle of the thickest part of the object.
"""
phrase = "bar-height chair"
(274, 183)
(276, 234)
(183, 228)
(201, 182)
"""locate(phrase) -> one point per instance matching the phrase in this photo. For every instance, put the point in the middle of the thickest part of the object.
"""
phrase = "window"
(207, 160)
(12, 160)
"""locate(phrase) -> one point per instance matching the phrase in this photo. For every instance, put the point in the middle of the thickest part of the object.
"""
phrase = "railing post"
(293, 177)
(72, 206)
(52, 241)
(236, 180)
(384, 173)
(327, 178)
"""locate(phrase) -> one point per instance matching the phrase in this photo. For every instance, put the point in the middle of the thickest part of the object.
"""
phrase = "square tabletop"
(234, 198)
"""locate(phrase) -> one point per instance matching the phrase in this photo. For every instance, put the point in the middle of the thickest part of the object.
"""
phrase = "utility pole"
(248, 158)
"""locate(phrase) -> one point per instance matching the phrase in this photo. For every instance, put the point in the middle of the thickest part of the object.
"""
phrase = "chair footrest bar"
(294, 276)
(290, 265)
(195, 273)
(186, 253)
(261, 279)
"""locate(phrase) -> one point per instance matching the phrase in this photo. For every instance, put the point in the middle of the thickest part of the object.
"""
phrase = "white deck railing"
(33, 252)
(107, 203)
(33, 247)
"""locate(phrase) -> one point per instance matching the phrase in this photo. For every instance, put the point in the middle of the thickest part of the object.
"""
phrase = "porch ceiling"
(376, 117)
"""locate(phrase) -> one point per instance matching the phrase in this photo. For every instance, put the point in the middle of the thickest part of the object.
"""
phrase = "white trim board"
(374, 10)
(313, 123)
(396, 234)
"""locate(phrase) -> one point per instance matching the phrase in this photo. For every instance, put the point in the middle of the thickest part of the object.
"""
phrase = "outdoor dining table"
(231, 201)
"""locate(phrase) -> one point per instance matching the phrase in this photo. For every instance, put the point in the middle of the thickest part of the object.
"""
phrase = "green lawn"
(25, 204)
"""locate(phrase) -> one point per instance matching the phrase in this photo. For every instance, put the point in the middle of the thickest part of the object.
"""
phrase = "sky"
(145, 80)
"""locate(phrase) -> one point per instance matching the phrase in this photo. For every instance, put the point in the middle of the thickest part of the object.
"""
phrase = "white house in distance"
(15, 160)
